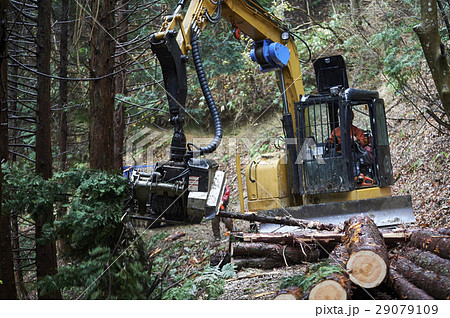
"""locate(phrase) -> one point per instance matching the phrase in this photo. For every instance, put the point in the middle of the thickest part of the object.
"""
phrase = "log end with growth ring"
(328, 290)
(366, 269)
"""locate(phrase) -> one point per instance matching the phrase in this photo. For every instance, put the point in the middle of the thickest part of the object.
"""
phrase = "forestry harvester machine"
(325, 172)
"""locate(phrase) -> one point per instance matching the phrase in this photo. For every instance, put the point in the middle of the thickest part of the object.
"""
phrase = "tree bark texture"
(434, 51)
(277, 220)
(258, 262)
(7, 287)
(428, 261)
(336, 286)
(433, 242)
(326, 240)
(289, 254)
(63, 85)
(101, 94)
(121, 82)
(433, 284)
(15, 238)
(290, 293)
(368, 262)
(404, 289)
(45, 248)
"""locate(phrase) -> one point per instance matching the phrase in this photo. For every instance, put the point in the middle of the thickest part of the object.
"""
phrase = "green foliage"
(103, 262)
(402, 55)
(95, 209)
(27, 193)
(207, 285)
(316, 273)
(102, 276)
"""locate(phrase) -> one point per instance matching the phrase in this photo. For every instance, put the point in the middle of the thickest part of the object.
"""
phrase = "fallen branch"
(277, 220)
(175, 236)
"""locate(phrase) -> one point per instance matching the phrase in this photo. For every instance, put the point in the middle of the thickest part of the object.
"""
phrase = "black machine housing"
(325, 165)
(163, 194)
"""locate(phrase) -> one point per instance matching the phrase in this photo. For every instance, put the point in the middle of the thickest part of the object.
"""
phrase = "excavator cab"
(340, 151)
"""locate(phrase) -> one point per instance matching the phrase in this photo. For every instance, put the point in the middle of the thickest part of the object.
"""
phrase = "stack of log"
(417, 266)
(422, 270)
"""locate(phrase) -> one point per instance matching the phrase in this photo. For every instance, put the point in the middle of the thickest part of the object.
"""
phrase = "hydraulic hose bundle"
(208, 98)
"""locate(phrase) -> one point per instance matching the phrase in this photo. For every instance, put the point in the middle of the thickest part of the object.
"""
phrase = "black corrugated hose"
(208, 98)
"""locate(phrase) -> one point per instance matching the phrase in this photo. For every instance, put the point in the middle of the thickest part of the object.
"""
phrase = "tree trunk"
(63, 93)
(404, 289)
(7, 286)
(428, 261)
(121, 82)
(277, 220)
(16, 255)
(336, 286)
(368, 261)
(101, 94)
(434, 51)
(355, 10)
(289, 254)
(433, 242)
(434, 285)
(45, 247)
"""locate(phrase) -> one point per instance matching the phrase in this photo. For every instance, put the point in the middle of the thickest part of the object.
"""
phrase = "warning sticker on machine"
(193, 183)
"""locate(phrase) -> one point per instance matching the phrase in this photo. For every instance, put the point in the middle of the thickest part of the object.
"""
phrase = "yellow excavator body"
(333, 177)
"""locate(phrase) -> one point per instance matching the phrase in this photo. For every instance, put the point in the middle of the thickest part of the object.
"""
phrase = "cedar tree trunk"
(45, 246)
(7, 286)
(121, 81)
(101, 94)
(63, 62)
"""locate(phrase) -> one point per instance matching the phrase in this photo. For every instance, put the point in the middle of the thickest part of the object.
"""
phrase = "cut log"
(277, 220)
(261, 262)
(335, 286)
(433, 242)
(368, 262)
(329, 239)
(289, 254)
(404, 289)
(433, 284)
(271, 238)
(290, 293)
(428, 261)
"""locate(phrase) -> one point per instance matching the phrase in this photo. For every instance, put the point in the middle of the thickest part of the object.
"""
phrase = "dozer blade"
(386, 211)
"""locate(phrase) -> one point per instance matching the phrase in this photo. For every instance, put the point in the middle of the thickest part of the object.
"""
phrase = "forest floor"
(421, 165)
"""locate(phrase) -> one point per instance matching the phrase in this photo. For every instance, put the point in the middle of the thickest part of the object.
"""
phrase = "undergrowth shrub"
(102, 256)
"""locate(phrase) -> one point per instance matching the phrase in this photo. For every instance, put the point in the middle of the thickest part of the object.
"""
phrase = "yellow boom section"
(255, 22)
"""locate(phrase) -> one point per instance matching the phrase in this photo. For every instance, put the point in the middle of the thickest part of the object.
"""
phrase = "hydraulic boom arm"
(178, 36)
